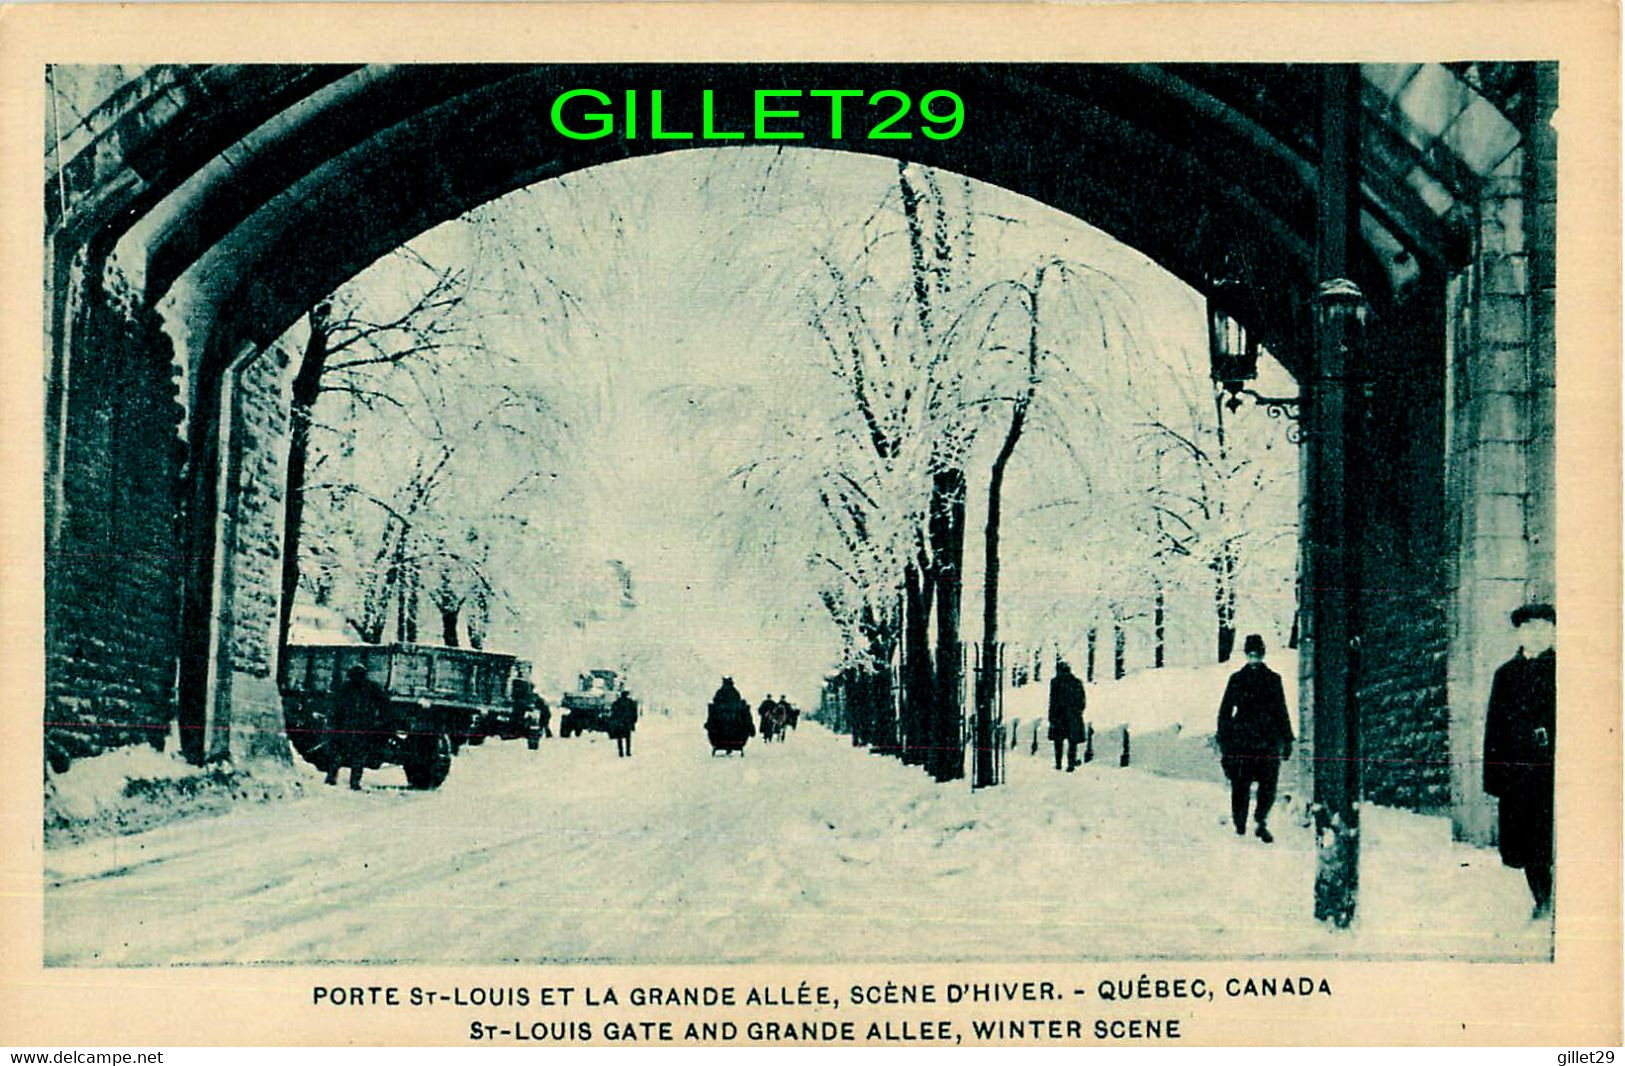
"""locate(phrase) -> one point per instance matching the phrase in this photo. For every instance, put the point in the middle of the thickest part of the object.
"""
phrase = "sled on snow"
(726, 742)
(728, 732)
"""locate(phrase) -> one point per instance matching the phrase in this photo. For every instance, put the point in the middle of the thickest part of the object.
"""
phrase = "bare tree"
(346, 342)
(406, 403)
(1215, 503)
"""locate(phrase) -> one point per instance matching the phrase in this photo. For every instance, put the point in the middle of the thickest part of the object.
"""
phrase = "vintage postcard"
(912, 525)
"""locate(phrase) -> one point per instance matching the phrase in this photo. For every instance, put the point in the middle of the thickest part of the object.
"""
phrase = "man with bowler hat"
(1254, 735)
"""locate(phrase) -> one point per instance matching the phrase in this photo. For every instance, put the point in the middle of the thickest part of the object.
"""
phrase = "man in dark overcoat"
(1066, 703)
(1254, 735)
(623, 719)
(1520, 737)
(768, 712)
(358, 710)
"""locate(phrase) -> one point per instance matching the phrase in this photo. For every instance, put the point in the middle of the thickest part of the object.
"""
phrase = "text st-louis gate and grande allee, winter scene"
(798, 513)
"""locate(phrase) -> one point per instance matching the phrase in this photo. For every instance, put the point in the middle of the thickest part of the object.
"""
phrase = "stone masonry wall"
(1404, 710)
(248, 707)
(1540, 187)
(1402, 698)
(1502, 456)
(112, 591)
(114, 578)
(259, 460)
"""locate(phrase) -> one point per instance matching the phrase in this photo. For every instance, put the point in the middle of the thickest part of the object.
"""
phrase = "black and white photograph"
(790, 514)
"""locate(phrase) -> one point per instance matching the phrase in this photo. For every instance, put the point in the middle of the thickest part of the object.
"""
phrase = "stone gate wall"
(248, 719)
(112, 625)
(1403, 673)
(1502, 458)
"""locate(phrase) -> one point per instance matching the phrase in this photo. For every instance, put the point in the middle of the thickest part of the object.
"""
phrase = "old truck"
(587, 708)
(438, 700)
(519, 716)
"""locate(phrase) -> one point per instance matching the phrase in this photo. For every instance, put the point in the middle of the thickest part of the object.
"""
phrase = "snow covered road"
(809, 851)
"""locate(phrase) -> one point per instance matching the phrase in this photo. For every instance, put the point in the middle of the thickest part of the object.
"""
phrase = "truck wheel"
(429, 762)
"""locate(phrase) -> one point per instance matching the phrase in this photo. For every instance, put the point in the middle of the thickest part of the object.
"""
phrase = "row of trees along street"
(826, 406)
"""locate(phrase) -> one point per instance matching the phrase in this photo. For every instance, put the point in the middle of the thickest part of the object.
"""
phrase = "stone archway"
(238, 196)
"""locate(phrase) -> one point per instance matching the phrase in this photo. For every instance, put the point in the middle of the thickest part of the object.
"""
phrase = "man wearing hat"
(1066, 703)
(1520, 735)
(1254, 735)
(357, 707)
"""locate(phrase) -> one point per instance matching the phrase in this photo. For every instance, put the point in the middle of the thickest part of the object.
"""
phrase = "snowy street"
(807, 851)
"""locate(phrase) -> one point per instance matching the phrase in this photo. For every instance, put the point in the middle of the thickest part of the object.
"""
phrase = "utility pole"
(1332, 407)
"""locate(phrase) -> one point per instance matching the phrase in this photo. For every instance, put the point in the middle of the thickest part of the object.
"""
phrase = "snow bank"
(133, 788)
(1169, 715)
(91, 786)
(1150, 700)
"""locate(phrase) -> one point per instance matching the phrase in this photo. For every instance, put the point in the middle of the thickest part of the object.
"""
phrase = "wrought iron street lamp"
(1233, 358)
(1232, 351)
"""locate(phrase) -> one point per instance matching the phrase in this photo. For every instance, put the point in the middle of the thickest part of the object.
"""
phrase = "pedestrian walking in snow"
(358, 705)
(544, 716)
(727, 719)
(1066, 703)
(623, 719)
(768, 714)
(1254, 735)
(787, 715)
(1520, 737)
